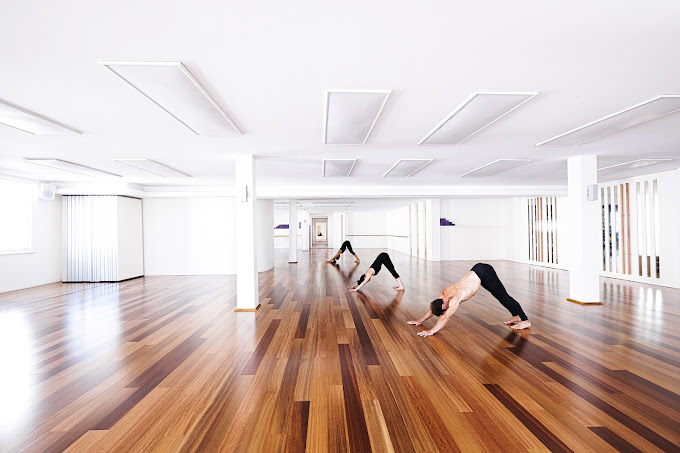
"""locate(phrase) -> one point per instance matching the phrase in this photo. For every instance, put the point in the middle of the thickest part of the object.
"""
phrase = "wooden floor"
(165, 364)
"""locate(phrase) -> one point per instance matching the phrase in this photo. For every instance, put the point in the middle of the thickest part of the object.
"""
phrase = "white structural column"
(433, 237)
(585, 233)
(304, 230)
(292, 231)
(264, 213)
(247, 298)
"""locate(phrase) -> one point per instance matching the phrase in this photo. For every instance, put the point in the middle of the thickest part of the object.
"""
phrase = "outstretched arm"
(425, 317)
(453, 306)
(367, 277)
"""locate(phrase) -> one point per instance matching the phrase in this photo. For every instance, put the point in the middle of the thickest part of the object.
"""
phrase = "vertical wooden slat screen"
(617, 228)
(627, 223)
(555, 227)
(657, 252)
(542, 225)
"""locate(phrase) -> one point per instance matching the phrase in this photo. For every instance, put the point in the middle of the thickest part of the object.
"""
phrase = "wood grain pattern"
(165, 364)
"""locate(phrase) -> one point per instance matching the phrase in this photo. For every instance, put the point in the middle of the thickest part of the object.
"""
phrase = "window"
(16, 215)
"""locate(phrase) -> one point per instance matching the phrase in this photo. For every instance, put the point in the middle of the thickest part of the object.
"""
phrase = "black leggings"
(382, 260)
(347, 246)
(492, 283)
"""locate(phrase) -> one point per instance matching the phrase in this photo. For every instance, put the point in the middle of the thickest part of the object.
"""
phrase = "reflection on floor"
(164, 363)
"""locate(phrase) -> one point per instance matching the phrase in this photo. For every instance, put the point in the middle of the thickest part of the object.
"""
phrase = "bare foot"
(399, 288)
(522, 325)
(512, 320)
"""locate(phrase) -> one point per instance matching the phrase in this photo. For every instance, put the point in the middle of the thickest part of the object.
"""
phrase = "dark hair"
(361, 280)
(436, 307)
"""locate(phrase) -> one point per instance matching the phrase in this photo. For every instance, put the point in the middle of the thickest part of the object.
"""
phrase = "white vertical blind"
(90, 239)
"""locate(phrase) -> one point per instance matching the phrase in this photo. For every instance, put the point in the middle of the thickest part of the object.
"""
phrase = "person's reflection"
(496, 364)
(346, 276)
(383, 312)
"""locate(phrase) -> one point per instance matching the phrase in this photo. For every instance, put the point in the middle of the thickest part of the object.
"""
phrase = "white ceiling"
(268, 64)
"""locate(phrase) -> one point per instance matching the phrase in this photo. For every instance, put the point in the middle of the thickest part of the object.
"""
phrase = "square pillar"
(292, 231)
(433, 237)
(585, 234)
(247, 298)
(304, 237)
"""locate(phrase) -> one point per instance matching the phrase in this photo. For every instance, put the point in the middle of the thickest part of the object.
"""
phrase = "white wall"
(482, 228)
(189, 236)
(280, 236)
(669, 217)
(398, 225)
(44, 265)
(367, 230)
(130, 238)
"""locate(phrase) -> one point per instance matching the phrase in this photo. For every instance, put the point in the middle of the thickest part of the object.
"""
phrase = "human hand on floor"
(425, 333)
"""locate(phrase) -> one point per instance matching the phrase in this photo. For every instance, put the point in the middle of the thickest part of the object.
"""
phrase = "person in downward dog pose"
(345, 246)
(382, 260)
(480, 275)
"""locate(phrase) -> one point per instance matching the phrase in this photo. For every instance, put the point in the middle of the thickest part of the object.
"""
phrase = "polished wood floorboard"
(165, 364)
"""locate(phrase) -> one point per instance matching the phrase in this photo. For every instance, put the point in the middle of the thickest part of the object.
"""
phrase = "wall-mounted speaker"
(47, 191)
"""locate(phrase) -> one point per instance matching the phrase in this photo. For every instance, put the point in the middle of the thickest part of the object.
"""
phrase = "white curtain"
(90, 239)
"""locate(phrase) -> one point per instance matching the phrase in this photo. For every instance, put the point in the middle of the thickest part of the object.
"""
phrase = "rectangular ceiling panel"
(496, 167)
(70, 166)
(630, 165)
(337, 167)
(406, 167)
(171, 86)
(153, 167)
(475, 114)
(18, 118)
(638, 114)
(350, 116)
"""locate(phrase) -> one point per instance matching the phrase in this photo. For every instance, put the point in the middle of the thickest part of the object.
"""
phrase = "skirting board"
(584, 303)
(248, 309)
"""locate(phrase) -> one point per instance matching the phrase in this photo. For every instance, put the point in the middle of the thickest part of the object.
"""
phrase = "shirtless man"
(449, 299)
(382, 259)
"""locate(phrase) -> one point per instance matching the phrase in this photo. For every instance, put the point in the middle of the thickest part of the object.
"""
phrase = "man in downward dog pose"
(481, 275)
(345, 246)
(382, 259)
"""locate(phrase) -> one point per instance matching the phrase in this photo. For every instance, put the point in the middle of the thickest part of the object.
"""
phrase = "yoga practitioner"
(480, 275)
(345, 246)
(382, 259)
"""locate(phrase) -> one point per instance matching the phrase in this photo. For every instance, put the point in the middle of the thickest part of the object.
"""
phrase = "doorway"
(319, 233)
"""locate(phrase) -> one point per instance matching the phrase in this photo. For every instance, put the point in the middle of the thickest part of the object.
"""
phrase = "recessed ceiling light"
(154, 167)
(638, 114)
(70, 166)
(496, 166)
(350, 115)
(18, 118)
(476, 113)
(337, 167)
(171, 86)
(632, 164)
(406, 167)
